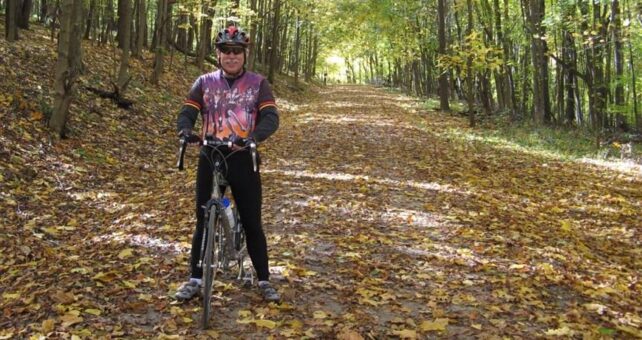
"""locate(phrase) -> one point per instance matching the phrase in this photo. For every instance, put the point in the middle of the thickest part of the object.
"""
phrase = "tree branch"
(570, 68)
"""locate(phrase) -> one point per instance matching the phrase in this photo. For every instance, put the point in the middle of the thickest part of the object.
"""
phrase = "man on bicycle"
(235, 105)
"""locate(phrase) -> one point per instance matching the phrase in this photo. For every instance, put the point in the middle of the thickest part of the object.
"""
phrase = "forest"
(561, 63)
(441, 169)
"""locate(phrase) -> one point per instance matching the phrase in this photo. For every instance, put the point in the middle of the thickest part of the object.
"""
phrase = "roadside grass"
(558, 142)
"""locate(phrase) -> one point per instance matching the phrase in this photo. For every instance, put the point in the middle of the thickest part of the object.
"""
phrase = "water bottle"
(229, 212)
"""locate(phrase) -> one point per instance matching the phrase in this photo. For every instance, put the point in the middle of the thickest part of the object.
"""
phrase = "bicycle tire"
(210, 264)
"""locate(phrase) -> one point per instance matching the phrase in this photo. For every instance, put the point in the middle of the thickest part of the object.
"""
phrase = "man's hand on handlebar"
(188, 136)
(240, 143)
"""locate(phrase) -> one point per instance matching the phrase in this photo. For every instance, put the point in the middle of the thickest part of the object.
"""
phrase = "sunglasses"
(231, 49)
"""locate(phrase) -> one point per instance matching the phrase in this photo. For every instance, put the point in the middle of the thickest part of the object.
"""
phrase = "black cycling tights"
(246, 187)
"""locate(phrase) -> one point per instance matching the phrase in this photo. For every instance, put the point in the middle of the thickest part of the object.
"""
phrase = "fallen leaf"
(265, 323)
(320, 314)
(437, 325)
(406, 334)
(48, 325)
(92, 311)
(563, 331)
(70, 320)
(348, 334)
(126, 253)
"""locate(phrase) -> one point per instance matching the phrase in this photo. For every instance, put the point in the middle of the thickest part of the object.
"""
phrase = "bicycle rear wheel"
(211, 262)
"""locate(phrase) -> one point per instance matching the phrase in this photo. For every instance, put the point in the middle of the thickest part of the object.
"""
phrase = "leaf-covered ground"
(383, 221)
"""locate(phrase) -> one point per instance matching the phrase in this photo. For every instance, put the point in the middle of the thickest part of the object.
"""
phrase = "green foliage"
(484, 58)
(561, 142)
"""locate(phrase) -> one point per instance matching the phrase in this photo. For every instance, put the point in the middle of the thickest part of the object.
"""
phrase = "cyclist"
(237, 105)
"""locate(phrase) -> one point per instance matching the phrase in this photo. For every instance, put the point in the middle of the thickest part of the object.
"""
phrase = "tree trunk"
(541, 101)
(123, 72)
(141, 25)
(24, 12)
(91, 16)
(204, 37)
(122, 5)
(616, 18)
(469, 68)
(160, 36)
(443, 75)
(42, 12)
(253, 35)
(634, 92)
(11, 20)
(275, 41)
(297, 50)
(68, 64)
(108, 22)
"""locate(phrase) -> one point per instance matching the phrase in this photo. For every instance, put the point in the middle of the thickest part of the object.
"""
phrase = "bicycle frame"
(218, 238)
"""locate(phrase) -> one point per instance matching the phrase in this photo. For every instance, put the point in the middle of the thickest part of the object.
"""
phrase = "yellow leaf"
(566, 225)
(244, 314)
(125, 253)
(320, 314)
(129, 284)
(51, 231)
(406, 334)
(437, 325)
(73, 312)
(48, 325)
(289, 333)
(75, 337)
(477, 326)
(36, 115)
(10, 296)
(564, 331)
(92, 311)
(70, 319)
(266, 323)
(212, 333)
(348, 334)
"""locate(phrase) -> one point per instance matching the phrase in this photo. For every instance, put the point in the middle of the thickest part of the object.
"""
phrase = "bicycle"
(223, 240)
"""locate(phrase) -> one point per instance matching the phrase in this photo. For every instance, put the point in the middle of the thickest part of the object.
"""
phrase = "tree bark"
(443, 74)
(161, 32)
(91, 17)
(24, 12)
(297, 50)
(141, 26)
(123, 72)
(469, 69)
(122, 13)
(253, 36)
(11, 20)
(68, 64)
(275, 41)
(541, 99)
(204, 36)
(618, 61)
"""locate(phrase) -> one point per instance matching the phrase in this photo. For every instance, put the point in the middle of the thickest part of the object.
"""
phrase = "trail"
(383, 220)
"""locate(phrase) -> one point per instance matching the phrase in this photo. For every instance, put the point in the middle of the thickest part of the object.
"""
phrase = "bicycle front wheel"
(211, 262)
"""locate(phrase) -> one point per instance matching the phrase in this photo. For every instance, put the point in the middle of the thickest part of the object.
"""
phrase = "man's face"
(232, 58)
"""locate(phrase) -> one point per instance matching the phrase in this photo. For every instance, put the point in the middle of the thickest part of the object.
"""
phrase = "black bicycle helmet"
(232, 36)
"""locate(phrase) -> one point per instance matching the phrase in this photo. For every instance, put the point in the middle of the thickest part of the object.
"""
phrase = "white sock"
(199, 281)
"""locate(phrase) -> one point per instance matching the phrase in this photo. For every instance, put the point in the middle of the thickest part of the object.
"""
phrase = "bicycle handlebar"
(213, 143)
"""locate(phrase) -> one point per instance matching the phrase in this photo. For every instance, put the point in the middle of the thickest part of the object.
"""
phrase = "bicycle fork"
(206, 219)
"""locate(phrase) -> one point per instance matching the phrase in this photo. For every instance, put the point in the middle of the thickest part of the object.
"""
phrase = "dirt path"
(382, 221)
